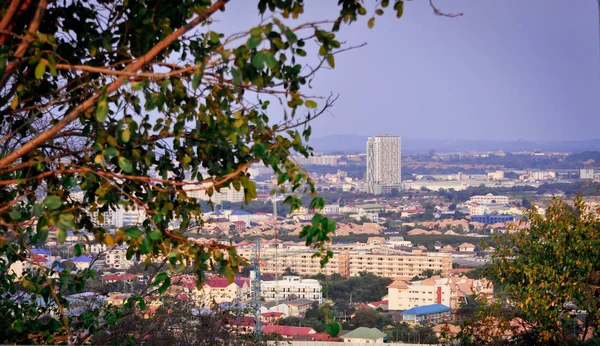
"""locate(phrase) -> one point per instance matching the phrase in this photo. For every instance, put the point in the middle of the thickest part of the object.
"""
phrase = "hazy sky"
(507, 69)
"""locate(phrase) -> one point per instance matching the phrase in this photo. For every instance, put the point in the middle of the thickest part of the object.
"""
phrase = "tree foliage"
(141, 105)
(550, 273)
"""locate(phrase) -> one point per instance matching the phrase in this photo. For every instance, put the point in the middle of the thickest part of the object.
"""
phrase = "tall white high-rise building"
(384, 164)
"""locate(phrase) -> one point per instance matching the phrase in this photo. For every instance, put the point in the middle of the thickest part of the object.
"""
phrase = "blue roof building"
(40, 252)
(239, 212)
(81, 259)
(429, 313)
(489, 219)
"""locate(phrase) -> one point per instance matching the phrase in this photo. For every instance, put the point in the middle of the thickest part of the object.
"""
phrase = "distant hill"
(356, 144)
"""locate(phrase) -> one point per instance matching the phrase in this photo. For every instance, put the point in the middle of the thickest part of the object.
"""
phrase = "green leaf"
(197, 79)
(254, 41)
(53, 202)
(15, 215)
(310, 104)
(371, 23)
(40, 69)
(399, 7)
(154, 235)
(102, 107)
(61, 235)
(77, 250)
(38, 210)
(111, 152)
(125, 165)
(331, 60)
(125, 135)
(237, 76)
(133, 232)
(262, 58)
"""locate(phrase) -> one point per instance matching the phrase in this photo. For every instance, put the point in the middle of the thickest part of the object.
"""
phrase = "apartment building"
(348, 263)
(393, 265)
(384, 164)
(221, 290)
(292, 287)
(306, 265)
(489, 199)
(117, 259)
(449, 291)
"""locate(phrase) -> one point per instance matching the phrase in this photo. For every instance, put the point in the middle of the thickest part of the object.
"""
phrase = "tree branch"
(89, 103)
(443, 14)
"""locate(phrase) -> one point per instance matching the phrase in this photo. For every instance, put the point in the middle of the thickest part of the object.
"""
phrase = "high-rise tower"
(383, 164)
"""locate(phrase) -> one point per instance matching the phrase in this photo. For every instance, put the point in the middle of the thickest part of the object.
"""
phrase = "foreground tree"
(141, 105)
(550, 273)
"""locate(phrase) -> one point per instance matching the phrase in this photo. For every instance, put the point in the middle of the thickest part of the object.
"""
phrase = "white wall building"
(586, 173)
(117, 259)
(384, 164)
(293, 286)
(489, 199)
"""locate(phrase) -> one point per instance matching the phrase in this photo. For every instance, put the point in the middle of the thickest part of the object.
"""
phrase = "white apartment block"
(450, 291)
(541, 175)
(118, 217)
(489, 199)
(404, 295)
(390, 266)
(292, 287)
(586, 173)
(325, 160)
(117, 259)
(384, 164)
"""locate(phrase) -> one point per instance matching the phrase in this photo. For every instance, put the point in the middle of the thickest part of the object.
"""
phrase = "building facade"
(292, 287)
(384, 164)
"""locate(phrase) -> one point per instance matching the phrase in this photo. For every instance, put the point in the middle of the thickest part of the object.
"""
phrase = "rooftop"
(364, 333)
(427, 309)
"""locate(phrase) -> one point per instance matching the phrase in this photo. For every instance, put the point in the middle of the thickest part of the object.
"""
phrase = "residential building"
(466, 247)
(450, 291)
(117, 259)
(81, 262)
(292, 286)
(221, 290)
(403, 294)
(298, 307)
(289, 331)
(305, 264)
(489, 219)
(383, 164)
(240, 215)
(586, 173)
(364, 335)
(392, 265)
(433, 313)
(489, 199)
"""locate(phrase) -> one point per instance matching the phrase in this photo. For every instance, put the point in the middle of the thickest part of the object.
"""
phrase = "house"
(82, 262)
(433, 313)
(375, 241)
(364, 335)
(240, 215)
(239, 226)
(221, 290)
(291, 287)
(289, 331)
(466, 247)
(271, 317)
(273, 306)
(298, 307)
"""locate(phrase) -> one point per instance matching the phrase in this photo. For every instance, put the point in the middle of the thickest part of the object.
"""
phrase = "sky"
(505, 70)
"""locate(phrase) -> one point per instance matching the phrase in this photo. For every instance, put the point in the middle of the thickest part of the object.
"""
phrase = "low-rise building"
(221, 290)
(292, 287)
(364, 335)
(433, 313)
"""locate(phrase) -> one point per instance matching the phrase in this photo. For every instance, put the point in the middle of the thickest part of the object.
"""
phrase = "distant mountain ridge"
(356, 144)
